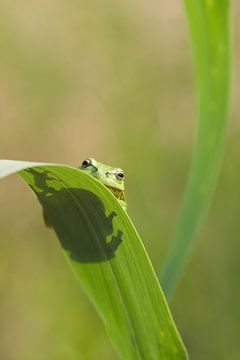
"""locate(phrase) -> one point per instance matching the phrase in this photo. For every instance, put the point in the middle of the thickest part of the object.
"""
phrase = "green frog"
(113, 178)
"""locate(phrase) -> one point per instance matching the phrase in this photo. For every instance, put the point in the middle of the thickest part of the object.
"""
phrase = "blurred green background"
(112, 80)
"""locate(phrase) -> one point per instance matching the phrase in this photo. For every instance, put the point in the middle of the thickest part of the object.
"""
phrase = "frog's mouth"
(116, 192)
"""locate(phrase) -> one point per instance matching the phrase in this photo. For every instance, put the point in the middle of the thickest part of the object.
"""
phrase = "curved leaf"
(107, 256)
(209, 32)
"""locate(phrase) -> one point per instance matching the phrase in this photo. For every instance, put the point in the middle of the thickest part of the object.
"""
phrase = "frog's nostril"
(107, 173)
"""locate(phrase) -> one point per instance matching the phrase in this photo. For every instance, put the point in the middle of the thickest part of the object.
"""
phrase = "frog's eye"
(86, 163)
(120, 175)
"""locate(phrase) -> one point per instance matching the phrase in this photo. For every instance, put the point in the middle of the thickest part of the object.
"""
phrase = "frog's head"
(111, 177)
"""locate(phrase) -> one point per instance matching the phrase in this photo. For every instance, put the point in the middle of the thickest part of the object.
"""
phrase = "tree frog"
(111, 177)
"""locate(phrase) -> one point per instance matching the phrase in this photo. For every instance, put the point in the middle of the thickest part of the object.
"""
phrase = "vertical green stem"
(209, 34)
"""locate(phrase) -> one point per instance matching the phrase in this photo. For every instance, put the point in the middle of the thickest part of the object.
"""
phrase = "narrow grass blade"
(108, 258)
(209, 32)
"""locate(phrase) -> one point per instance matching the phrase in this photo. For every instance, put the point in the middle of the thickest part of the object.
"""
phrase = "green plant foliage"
(107, 256)
(209, 32)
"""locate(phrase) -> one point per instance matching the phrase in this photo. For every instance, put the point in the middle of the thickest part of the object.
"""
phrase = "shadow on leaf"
(78, 217)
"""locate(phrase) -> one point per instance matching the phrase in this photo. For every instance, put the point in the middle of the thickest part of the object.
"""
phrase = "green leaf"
(106, 254)
(209, 33)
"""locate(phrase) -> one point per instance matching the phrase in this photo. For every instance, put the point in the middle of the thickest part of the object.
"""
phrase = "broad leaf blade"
(209, 32)
(107, 256)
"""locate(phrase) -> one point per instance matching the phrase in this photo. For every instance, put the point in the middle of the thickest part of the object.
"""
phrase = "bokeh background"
(112, 80)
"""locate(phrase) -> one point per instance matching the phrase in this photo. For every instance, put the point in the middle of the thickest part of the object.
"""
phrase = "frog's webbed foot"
(108, 222)
(112, 246)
